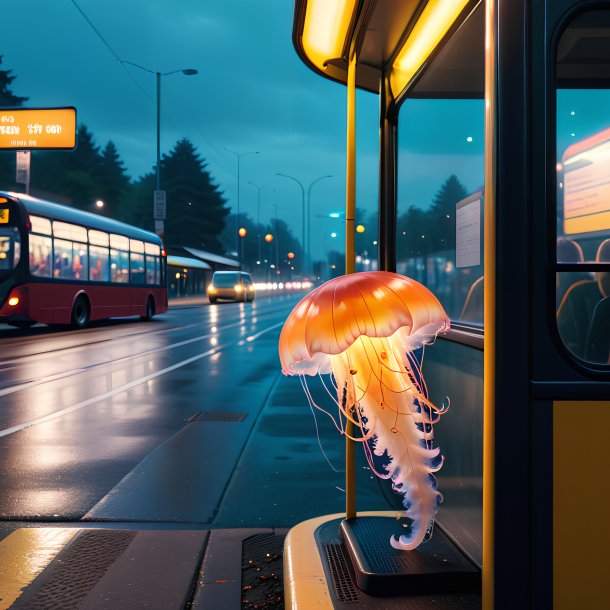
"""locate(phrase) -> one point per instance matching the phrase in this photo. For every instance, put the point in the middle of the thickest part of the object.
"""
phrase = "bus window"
(99, 238)
(99, 264)
(439, 239)
(583, 187)
(119, 242)
(119, 266)
(152, 269)
(136, 267)
(72, 232)
(70, 260)
(41, 225)
(40, 255)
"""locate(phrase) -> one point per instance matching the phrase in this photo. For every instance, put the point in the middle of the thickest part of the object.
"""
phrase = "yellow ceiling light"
(431, 27)
(326, 26)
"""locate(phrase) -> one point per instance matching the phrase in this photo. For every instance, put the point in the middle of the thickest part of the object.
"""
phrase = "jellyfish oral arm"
(383, 398)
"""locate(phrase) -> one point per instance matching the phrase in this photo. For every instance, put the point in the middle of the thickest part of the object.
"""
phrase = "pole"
(350, 260)
(161, 222)
(258, 221)
(309, 219)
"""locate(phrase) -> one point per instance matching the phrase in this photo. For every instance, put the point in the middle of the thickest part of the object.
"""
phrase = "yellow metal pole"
(489, 314)
(350, 260)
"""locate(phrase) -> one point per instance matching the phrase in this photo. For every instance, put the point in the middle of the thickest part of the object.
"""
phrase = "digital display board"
(4, 216)
(37, 128)
(586, 185)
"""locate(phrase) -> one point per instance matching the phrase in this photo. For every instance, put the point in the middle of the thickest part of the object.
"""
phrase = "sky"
(252, 93)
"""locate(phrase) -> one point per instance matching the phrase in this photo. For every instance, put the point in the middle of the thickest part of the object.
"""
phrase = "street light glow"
(333, 235)
(99, 203)
(360, 229)
(268, 238)
(242, 232)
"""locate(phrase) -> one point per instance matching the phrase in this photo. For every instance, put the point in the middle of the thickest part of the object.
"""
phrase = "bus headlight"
(13, 301)
(211, 289)
(238, 287)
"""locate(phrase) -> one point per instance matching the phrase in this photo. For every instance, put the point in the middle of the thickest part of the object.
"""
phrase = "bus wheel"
(150, 310)
(80, 313)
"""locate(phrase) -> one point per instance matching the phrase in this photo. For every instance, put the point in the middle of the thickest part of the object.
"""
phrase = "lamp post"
(306, 216)
(159, 223)
(239, 156)
(258, 213)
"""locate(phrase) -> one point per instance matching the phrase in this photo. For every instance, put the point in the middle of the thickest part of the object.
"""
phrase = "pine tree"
(114, 181)
(196, 211)
(7, 98)
(442, 214)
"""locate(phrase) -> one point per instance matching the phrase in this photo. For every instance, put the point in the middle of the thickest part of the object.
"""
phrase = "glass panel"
(119, 242)
(137, 268)
(225, 280)
(136, 245)
(119, 266)
(10, 249)
(98, 238)
(70, 260)
(152, 249)
(583, 185)
(99, 264)
(152, 266)
(440, 201)
(40, 255)
(69, 231)
(41, 225)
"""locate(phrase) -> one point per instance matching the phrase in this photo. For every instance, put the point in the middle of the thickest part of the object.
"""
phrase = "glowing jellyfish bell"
(363, 328)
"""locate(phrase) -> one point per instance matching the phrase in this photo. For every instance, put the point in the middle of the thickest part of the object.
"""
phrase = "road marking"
(32, 383)
(125, 387)
(122, 337)
(24, 554)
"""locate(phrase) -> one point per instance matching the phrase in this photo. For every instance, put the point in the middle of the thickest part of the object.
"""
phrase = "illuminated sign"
(24, 129)
(586, 185)
(4, 216)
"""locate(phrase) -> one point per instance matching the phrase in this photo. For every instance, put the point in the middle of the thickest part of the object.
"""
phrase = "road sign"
(32, 128)
(159, 202)
(23, 167)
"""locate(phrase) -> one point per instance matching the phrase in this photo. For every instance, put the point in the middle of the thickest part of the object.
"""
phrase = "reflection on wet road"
(92, 421)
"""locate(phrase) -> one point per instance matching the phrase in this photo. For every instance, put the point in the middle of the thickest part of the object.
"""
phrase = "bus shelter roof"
(187, 262)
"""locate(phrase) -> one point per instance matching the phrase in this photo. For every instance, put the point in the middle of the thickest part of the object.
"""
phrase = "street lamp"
(306, 218)
(99, 204)
(187, 72)
(258, 211)
(239, 156)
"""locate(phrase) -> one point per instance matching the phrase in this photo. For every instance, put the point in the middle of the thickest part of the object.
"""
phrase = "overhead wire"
(135, 81)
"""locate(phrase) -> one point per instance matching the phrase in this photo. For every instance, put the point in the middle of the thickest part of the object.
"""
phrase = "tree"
(442, 214)
(8, 100)
(114, 182)
(196, 209)
(7, 97)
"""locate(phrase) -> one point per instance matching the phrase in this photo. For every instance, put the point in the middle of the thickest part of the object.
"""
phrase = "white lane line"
(122, 337)
(32, 383)
(42, 380)
(123, 388)
(257, 335)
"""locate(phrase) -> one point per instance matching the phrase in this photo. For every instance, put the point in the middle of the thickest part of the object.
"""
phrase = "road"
(183, 420)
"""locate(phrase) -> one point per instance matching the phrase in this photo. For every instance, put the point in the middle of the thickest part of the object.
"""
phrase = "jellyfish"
(363, 329)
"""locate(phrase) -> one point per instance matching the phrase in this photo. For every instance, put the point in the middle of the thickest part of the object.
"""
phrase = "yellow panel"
(325, 30)
(431, 27)
(581, 502)
(24, 554)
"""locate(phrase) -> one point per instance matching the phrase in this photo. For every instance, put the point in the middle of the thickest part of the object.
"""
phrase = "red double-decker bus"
(60, 265)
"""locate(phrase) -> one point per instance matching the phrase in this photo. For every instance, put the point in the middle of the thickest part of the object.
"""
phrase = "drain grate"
(75, 571)
(342, 579)
(220, 416)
